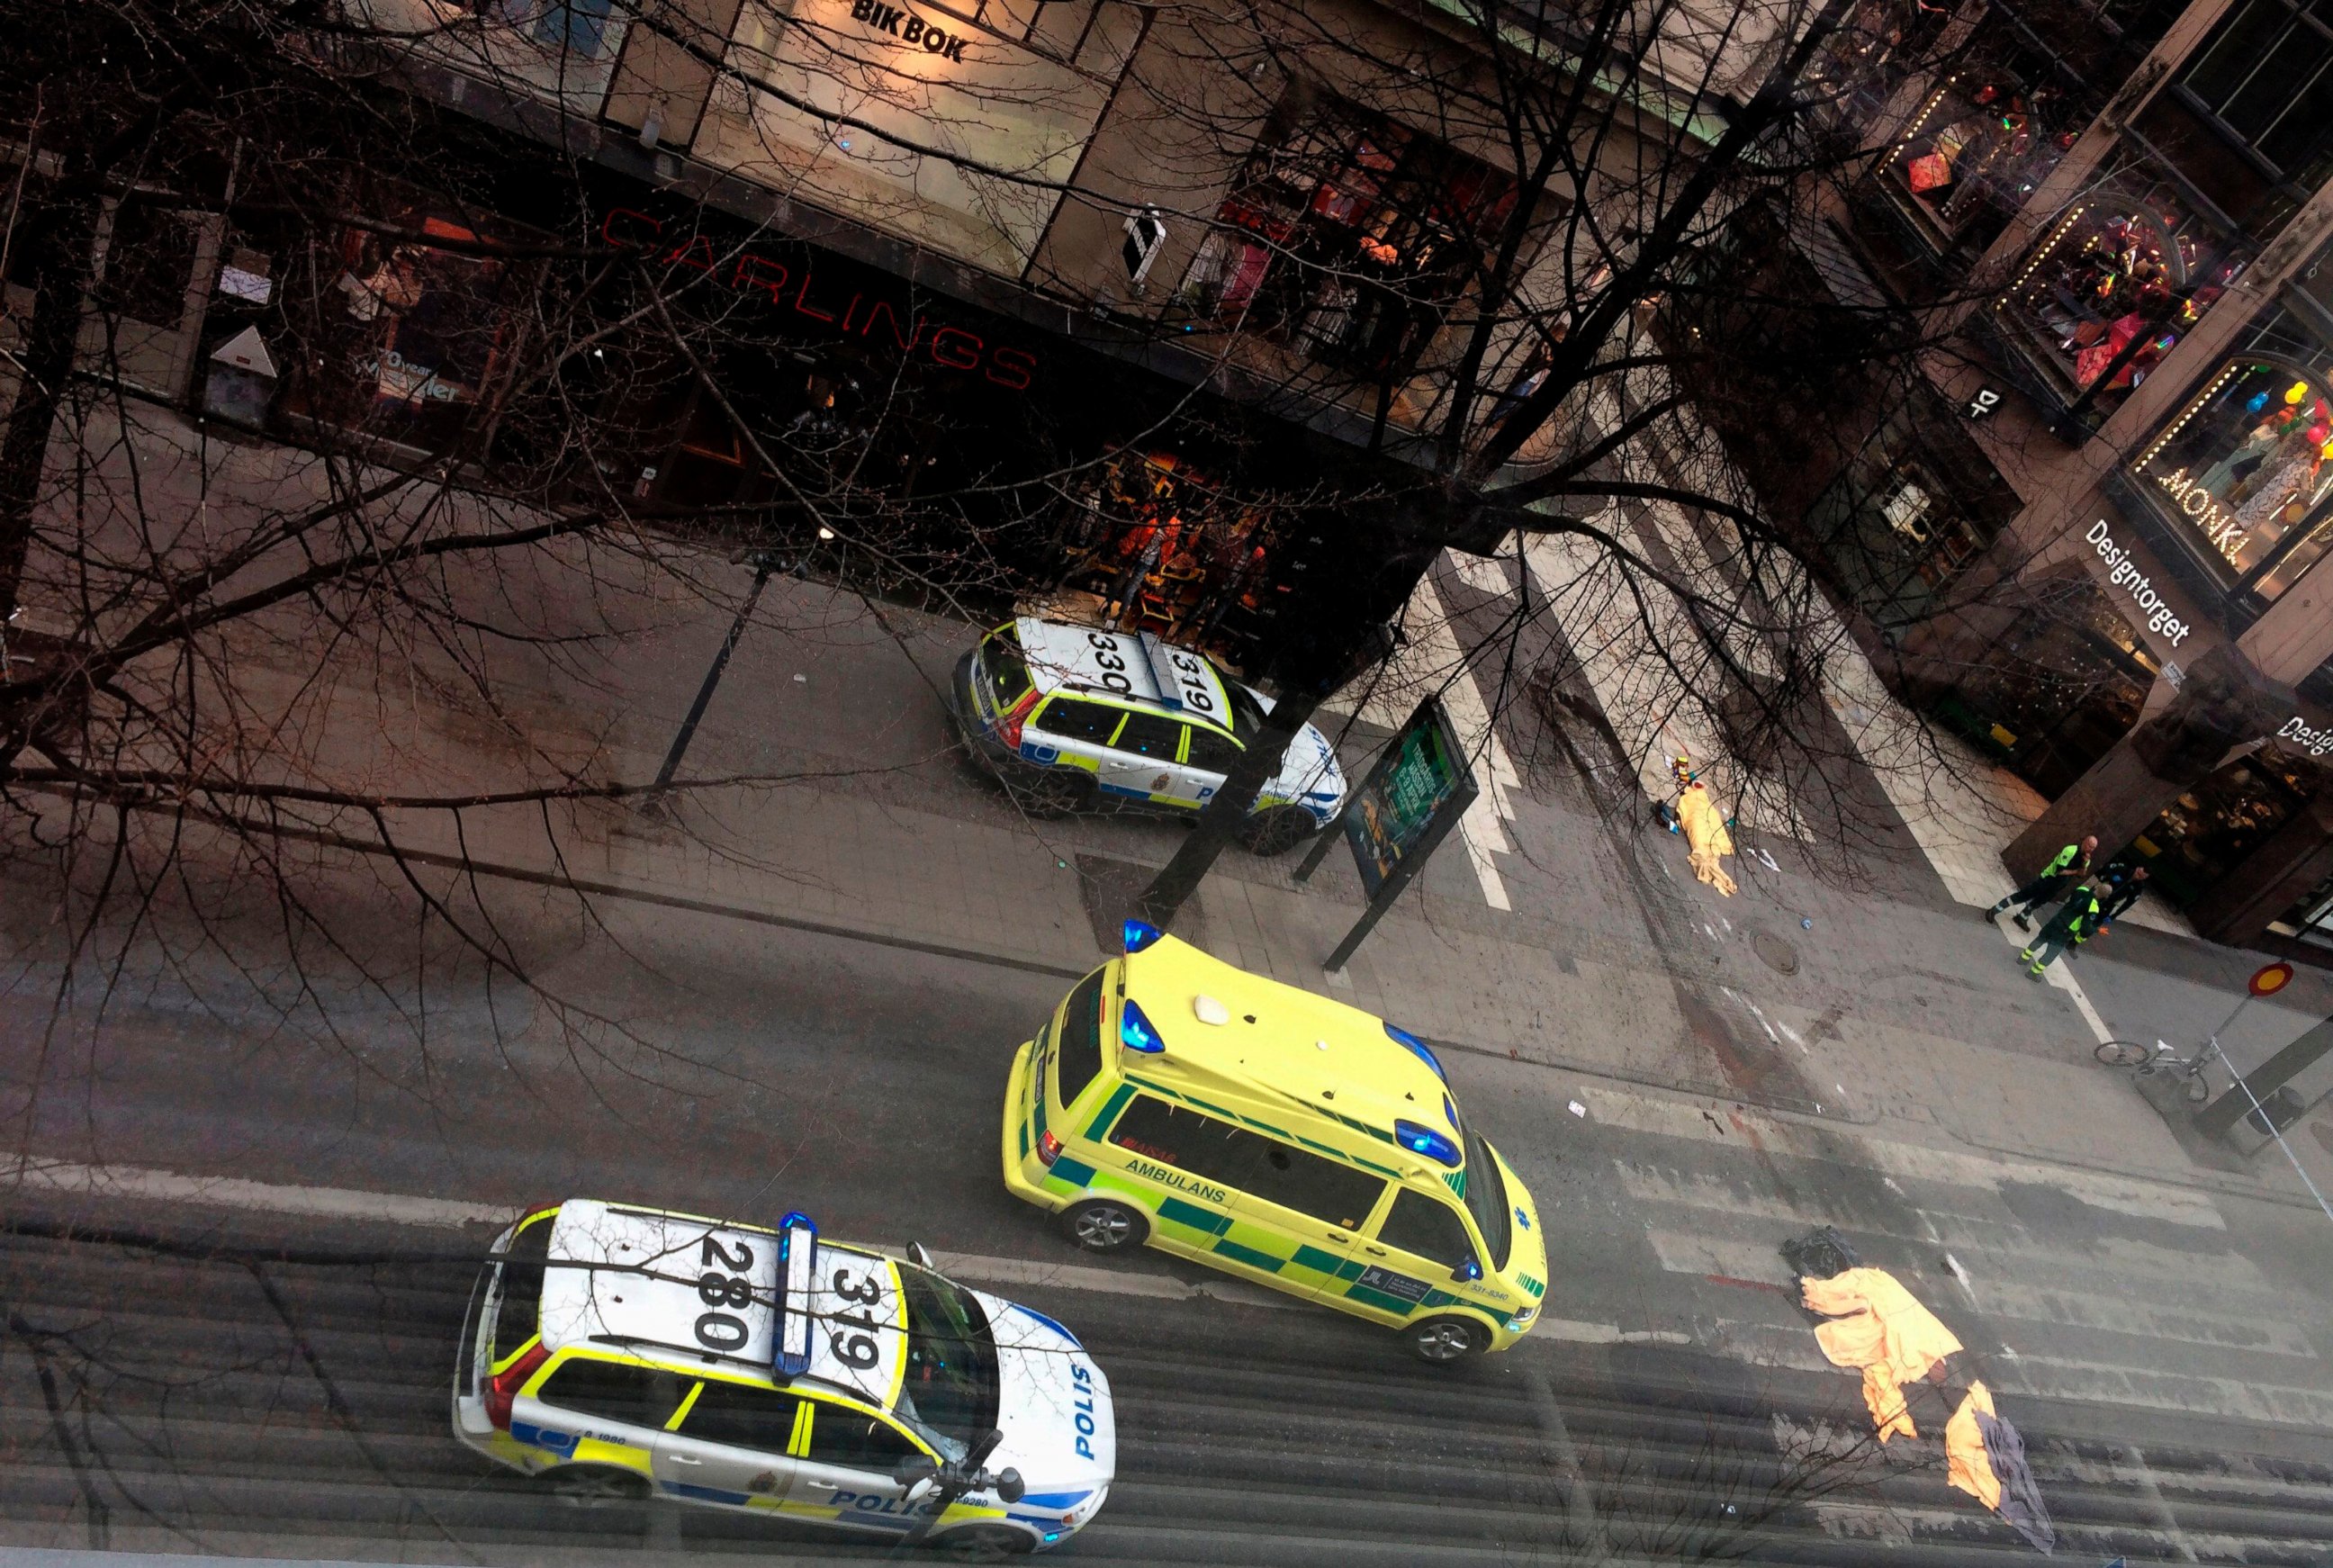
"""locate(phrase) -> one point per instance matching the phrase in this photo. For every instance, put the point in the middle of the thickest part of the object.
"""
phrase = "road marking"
(132, 1182)
(139, 1182)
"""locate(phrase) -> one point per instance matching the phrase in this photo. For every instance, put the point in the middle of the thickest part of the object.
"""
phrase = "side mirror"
(1468, 1270)
(921, 1257)
(915, 1473)
(1009, 1486)
(918, 1490)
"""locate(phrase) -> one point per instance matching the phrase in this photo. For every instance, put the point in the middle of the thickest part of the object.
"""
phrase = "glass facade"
(2110, 289)
(1344, 236)
(2244, 472)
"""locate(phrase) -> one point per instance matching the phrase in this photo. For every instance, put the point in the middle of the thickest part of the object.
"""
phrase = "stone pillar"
(2223, 703)
(2271, 879)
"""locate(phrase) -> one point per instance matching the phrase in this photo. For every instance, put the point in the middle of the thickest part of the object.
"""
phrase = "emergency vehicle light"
(1418, 1048)
(1135, 1030)
(797, 1267)
(1424, 1140)
(1139, 934)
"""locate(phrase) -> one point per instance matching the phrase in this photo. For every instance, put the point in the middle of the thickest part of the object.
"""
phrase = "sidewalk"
(1907, 1024)
(1546, 942)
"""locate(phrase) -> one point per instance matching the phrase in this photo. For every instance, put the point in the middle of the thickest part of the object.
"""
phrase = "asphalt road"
(221, 1402)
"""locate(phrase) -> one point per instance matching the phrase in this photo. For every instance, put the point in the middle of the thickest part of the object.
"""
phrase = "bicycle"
(2145, 1062)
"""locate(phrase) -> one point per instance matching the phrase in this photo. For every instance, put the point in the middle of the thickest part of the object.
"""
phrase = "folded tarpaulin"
(1705, 830)
(1877, 1325)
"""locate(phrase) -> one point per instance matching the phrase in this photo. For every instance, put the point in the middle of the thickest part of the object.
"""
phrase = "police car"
(620, 1353)
(1070, 716)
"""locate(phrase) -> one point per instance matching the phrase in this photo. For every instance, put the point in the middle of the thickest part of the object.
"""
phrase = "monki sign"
(951, 347)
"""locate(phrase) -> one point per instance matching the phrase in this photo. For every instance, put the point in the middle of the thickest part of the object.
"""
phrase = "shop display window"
(1161, 548)
(2208, 830)
(1909, 512)
(2246, 468)
(2058, 689)
(1346, 237)
(414, 333)
(1982, 141)
(2111, 287)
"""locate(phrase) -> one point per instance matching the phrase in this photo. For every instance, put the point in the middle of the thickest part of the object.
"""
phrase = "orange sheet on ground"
(1705, 830)
(1966, 1466)
(1880, 1327)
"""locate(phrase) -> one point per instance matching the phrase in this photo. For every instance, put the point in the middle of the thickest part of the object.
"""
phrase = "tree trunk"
(58, 240)
(1220, 823)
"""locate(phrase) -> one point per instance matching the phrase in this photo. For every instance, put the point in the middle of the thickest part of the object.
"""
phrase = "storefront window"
(2111, 287)
(1985, 140)
(2207, 832)
(2063, 685)
(2247, 466)
(412, 333)
(1160, 548)
(1346, 237)
(1916, 506)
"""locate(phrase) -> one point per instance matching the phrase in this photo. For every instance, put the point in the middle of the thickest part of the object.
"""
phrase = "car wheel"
(984, 1543)
(1277, 831)
(595, 1486)
(1056, 793)
(1098, 1224)
(1446, 1339)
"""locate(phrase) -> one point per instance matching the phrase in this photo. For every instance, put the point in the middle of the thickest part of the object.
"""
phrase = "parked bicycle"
(2161, 1058)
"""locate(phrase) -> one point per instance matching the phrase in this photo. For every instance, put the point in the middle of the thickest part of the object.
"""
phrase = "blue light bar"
(1424, 1140)
(1141, 934)
(797, 1268)
(1136, 1031)
(1418, 1048)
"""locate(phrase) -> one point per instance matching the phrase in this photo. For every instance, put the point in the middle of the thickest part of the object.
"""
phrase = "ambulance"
(1177, 1101)
(1070, 717)
(619, 1354)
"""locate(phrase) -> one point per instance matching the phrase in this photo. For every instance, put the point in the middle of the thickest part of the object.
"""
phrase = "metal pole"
(764, 565)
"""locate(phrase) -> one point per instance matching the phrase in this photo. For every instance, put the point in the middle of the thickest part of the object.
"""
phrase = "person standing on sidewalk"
(2069, 863)
(2125, 886)
(2068, 926)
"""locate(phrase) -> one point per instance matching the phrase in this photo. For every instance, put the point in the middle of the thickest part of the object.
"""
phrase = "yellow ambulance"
(1176, 1099)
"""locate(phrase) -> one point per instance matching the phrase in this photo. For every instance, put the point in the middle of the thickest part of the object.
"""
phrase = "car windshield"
(1486, 1200)
(951, 1389)
(1247, 714)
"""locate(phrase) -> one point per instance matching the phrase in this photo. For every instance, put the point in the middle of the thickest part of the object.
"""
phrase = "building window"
(2247, 466)
(1347, 237)
(2268, 77)
(1914, 507)
(2111, 287)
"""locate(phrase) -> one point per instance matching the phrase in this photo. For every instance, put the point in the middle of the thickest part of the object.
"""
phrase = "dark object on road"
(2021, 1500)
(1821, 1253)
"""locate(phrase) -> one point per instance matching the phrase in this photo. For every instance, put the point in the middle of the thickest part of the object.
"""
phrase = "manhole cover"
(1779, 955)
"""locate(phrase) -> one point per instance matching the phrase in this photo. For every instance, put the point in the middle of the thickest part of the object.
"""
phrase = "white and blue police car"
(623, 1353)
(1070, 717)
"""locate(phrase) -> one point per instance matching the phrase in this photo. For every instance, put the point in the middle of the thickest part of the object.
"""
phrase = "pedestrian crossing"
(2146, 1300)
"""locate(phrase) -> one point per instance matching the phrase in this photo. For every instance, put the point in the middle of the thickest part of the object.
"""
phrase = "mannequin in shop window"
(2288, 480)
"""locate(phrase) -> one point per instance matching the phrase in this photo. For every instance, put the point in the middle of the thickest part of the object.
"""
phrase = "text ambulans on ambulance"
(1275, 1134)
(627, 1352)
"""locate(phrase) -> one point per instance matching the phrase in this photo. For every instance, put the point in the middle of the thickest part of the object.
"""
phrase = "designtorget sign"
(2125, 574)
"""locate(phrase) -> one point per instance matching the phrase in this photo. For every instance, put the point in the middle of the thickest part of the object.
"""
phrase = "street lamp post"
(765, 563)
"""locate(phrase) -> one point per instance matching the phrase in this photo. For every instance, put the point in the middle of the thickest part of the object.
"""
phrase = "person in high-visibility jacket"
(2065, 866)
(2072, 922)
